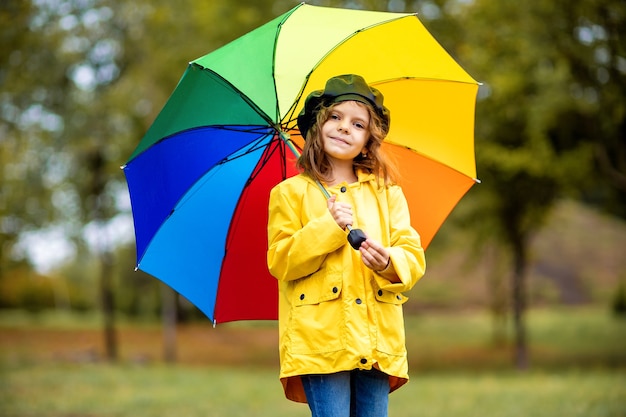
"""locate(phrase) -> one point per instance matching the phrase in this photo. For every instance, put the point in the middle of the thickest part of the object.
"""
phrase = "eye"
(334, 116)
(359, 125)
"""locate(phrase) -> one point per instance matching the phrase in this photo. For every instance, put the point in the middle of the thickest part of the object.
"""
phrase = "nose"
(343, 126)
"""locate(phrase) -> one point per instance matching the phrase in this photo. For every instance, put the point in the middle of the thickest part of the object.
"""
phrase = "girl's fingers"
(341, 212)
(373, 259)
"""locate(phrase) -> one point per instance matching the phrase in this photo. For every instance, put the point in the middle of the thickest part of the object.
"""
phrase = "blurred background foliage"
(82, 80)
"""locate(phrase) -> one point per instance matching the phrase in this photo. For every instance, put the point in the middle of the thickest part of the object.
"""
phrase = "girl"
(341, 326)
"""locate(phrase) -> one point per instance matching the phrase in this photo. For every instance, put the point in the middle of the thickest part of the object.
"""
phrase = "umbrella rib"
(292, 109)
(425, 156)
(291, 117)
(264, 159)
(255, 145)
(243, 96)
(231, 128)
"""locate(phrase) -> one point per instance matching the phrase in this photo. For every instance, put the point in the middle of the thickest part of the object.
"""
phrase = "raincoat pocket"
(317, 317)
(390, 322)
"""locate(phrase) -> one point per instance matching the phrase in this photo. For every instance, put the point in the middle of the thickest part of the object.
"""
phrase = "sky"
(51, 247)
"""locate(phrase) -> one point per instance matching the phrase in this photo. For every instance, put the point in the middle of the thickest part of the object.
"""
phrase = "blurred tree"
(30, 103)
(596, 52)
(549, 115)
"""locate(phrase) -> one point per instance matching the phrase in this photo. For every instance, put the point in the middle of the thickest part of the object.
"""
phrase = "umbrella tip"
(477, 181)
(214, 323)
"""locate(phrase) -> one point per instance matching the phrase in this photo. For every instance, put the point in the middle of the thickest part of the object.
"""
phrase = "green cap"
(349, 87)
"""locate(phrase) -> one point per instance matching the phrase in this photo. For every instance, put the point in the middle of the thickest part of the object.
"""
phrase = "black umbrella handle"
(356, 237)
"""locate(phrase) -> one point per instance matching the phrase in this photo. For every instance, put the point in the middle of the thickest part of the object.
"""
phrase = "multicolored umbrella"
(199, 180)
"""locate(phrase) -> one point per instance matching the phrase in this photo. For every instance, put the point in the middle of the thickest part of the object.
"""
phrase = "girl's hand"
(341, 212)
(374, 255)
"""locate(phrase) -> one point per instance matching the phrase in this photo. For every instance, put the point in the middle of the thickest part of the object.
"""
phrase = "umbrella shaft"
(355, 236)
(286, 138)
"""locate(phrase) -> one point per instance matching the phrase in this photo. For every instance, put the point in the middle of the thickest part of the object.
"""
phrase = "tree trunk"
(498, 294)
(168, 297)
(96, 163)
(108, 306)
(519, 305)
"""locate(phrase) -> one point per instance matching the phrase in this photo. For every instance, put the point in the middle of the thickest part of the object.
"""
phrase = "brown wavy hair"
(314, 162)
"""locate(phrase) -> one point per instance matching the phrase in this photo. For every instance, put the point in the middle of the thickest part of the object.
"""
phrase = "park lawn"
(55, 368)
(101, 390)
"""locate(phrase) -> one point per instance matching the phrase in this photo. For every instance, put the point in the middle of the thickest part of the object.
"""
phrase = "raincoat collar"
(362, 176)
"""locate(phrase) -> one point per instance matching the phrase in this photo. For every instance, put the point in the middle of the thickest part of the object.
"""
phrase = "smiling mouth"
(340, 140)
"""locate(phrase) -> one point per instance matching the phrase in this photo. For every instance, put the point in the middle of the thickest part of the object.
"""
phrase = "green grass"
(159, 391)
(577, 358)
(101, 390)
(557, 338)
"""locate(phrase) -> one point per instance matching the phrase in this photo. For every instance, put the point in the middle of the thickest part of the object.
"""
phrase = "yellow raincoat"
(335, 314)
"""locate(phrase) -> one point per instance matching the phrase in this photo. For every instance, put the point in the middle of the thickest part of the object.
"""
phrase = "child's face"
(346, 131)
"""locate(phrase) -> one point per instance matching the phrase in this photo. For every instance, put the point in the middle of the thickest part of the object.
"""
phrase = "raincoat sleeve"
(297, 244)
(407, 263)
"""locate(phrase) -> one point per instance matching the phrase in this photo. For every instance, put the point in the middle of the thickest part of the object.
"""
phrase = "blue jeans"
(356, 393)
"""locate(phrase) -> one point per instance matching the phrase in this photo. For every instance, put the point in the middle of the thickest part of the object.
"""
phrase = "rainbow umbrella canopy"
(199, 180)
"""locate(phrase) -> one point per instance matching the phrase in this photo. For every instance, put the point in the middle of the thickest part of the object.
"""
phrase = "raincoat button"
(363, 361)
(302, 296)
(343, 189)
(335, 289)
(380, 292)
(358, 301)
(398, 297)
